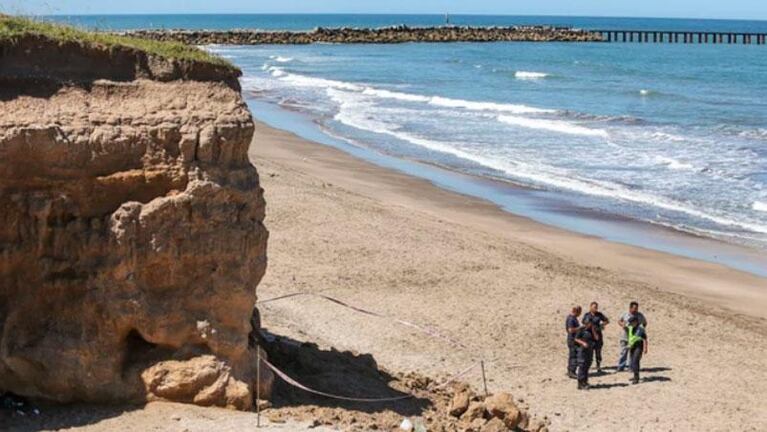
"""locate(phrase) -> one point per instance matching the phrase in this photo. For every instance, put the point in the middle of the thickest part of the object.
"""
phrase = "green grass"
(12, 28)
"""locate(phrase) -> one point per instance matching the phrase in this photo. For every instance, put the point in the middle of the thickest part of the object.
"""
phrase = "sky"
(731, 9)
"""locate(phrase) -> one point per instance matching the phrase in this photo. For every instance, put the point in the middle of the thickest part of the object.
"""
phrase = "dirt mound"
(433, 404)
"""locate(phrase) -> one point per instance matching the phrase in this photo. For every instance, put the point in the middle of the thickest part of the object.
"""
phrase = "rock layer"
(400, 34)
(131, 231)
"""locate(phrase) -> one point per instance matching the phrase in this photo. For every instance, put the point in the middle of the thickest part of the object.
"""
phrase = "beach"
(502, 285)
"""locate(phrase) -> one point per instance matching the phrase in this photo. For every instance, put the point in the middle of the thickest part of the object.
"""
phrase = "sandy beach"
(502, 285)
(499, 284)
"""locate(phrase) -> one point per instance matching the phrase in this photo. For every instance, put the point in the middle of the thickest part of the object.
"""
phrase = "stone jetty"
(398, 34)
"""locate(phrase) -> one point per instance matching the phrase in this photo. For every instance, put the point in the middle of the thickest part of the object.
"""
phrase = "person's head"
(577, 310)
(633, 307)
(594, 307)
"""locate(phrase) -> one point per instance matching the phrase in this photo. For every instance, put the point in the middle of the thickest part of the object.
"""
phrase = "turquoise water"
(668, 134)
(673, 135)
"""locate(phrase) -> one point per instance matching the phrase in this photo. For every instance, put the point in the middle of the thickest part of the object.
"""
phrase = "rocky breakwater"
(131, 235)
(398, 34)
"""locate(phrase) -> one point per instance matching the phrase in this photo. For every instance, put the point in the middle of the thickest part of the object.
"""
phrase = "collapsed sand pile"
(438, 404)
(130, 227)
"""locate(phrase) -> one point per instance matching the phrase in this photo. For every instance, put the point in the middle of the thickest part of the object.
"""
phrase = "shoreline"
(549, 208)
(737, 290)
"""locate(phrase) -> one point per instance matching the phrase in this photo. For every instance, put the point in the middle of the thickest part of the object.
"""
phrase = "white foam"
(487, 106)
(673, 164)
(386, 94)
(525, 75)
(354, 112)
(760, 206)
(644, 92)
(306, 81)
(558, 126)
(280, 59)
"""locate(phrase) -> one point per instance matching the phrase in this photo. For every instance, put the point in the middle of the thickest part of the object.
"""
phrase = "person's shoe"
(635, 380)
(583, 386)
(572, 375)
(620, 369)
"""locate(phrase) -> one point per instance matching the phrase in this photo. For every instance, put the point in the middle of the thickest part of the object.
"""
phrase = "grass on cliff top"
(11, 28)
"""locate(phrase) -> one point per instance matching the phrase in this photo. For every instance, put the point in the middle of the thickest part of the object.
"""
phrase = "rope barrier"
(285, 377)
(428, 331)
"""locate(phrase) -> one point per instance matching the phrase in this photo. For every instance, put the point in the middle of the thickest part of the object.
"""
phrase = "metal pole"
(258, 386)
(484, 380)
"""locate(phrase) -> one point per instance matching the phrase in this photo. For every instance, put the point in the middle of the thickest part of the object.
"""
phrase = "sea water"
(670, 134)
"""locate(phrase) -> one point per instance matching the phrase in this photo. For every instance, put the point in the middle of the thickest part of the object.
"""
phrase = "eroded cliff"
(131, 234)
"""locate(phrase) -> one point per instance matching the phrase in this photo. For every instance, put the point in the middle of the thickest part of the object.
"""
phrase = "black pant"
(585, 357)
(572, 356)
(635, 354)
(598, 351)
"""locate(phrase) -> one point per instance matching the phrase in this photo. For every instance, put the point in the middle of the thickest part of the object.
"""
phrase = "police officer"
(599, 321)
(584, 339)
(638, 344)
(572, 326)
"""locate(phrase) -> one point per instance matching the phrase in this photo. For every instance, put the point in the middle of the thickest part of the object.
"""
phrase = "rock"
(175, 417)
(495, 425)
(459, 404)
(129, 264)
(502, 406)
(476, 410)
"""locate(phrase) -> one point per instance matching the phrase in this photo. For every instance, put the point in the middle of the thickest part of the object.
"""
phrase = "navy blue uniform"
(572, 358)
(598, 319)
(636, 351)
(585, 355)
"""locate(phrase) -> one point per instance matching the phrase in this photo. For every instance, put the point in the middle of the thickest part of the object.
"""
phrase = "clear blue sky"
(731, 9)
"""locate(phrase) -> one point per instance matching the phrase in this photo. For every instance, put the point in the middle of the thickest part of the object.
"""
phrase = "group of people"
(585, 339)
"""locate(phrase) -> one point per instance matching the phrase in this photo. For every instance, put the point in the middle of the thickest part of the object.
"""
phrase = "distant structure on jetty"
(447, 33)
(688, 37)
(398, 34)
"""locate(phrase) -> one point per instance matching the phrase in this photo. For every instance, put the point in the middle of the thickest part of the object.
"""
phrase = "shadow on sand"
(341, 373)
(331, 371)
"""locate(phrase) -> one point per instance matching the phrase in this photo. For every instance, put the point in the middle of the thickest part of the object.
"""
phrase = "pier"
(404, 34)
(684, 37)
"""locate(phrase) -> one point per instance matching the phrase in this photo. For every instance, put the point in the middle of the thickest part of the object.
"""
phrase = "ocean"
(671, 135)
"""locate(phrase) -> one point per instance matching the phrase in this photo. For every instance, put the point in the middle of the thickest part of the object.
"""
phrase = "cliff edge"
(131, 229)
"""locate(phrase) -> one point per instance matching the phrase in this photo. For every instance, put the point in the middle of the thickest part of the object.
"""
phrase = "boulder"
(476, 410)
(495, 425)
(459, 404)
(502, 406)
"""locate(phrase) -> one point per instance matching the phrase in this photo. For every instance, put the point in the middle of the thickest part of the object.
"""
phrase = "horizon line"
(397, 14)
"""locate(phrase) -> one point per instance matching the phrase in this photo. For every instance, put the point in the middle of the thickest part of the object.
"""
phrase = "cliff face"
(131, 235)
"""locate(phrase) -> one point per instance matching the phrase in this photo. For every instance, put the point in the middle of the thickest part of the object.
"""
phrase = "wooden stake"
(484, 380)
(258, 386)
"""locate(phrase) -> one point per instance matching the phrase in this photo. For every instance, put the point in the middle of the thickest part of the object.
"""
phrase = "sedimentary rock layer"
(131, 235)
(399, 34)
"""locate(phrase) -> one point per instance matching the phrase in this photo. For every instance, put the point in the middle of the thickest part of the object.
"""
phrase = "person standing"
(598, 321)
(572, 326)
(623, 322)
(638, 344)
(585, 343)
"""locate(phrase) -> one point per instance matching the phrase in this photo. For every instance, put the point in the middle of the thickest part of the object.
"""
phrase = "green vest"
(633, 339)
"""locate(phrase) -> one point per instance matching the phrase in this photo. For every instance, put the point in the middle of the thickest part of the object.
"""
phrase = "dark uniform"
(585, 355)
(572, 357)
(636, 349)
(598, 320)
